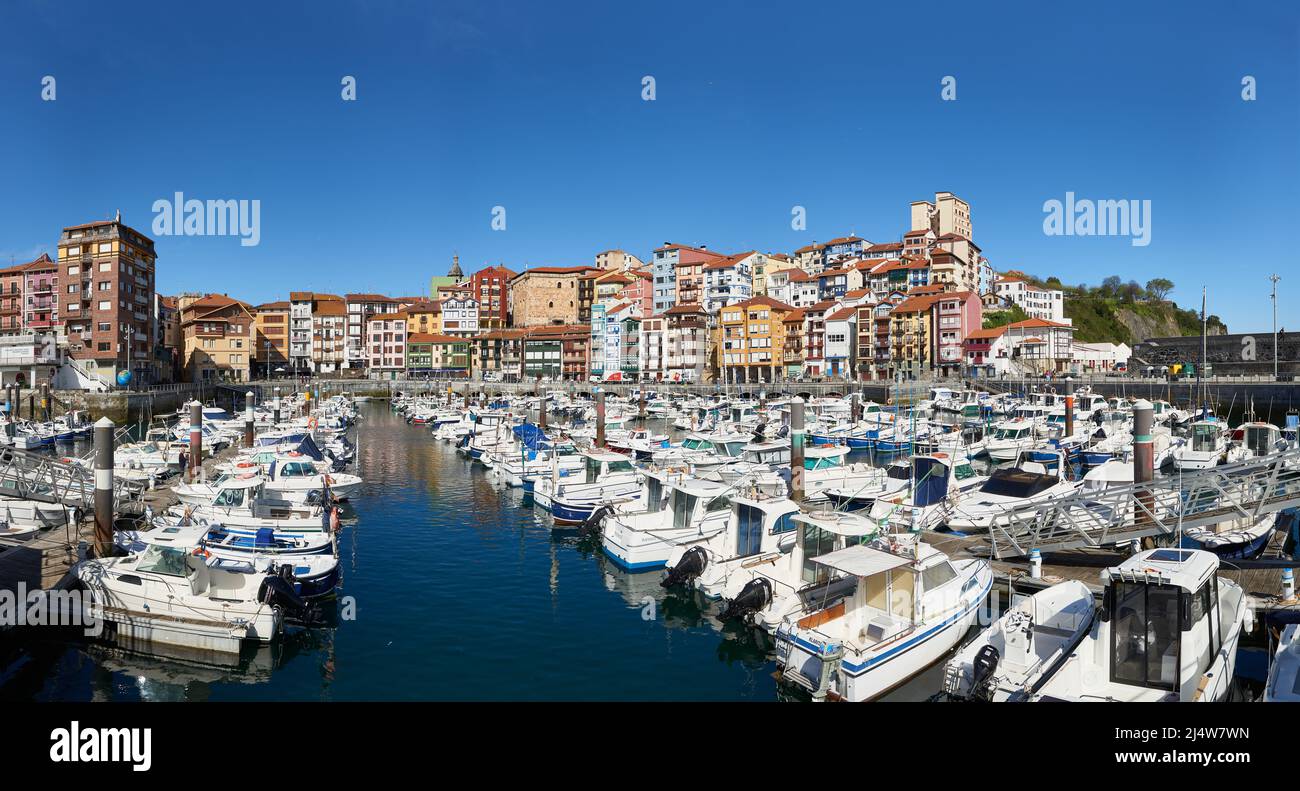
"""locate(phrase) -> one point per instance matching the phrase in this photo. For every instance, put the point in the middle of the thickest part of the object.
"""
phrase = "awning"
(861, 561)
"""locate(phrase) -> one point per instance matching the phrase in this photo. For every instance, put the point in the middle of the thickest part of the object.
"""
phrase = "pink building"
(955, 315)
(640, 291)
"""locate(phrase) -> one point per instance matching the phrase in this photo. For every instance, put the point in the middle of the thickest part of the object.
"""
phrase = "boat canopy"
(1017, 483)
(860, 560)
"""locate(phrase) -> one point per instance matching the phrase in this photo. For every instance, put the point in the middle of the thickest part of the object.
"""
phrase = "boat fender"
(687, 569)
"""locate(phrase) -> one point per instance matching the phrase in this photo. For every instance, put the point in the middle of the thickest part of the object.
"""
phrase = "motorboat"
(1008, 660)
(1167, 630)
(1207, 446)
(1008, 488)
(909, 606)
(173, 596)
(605, 477)
(759, 529)
(689, 510)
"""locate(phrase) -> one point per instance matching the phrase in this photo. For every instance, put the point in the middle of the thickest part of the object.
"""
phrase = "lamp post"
(1274, 278)
(127, 332)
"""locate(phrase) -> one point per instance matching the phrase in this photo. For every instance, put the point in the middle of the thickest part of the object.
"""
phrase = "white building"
(1046, 304)
(460, 316)
(1099, 357)
(301, 328)
(730, 280)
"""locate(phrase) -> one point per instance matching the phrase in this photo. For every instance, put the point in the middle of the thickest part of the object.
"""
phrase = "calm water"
(461, 593)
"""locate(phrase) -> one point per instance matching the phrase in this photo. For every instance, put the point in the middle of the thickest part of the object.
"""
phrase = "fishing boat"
(1167, 630)
(689, 510)
(759, 529)
(168, 595)
(571, 499)
(307, 563)
(241, 502)
(1010, 438)
(1207, 446)
(1008, 661)
(910, 605)
(1241, 538)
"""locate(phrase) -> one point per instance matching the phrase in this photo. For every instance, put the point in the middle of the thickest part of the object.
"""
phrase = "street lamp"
(126, 330)
(1274, 278)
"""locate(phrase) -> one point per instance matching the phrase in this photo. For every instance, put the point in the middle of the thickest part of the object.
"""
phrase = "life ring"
(311, 424)
(200, 552)
(246, 464)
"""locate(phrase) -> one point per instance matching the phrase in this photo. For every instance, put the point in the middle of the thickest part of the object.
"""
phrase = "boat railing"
(1248, 489)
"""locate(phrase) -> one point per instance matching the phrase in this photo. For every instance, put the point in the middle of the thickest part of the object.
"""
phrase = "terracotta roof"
(824, 305)
(917, 232)
(993, 332)
(809, 248)
(916, 304)
(689, 307)
(274, 306)
(857, 292)
(884, 247)
(729, 261)
(842, 314)
(1038, 324)
(845, 240)
(762, 300)
(793, 316)
(1034, 341)
(331, 307)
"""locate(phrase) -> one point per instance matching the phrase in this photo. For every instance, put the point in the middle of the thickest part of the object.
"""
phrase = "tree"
(1158, 288)
(1110, 286)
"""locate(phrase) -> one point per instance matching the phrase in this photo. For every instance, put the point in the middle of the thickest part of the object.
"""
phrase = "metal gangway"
(43, 478)
(1246, 490)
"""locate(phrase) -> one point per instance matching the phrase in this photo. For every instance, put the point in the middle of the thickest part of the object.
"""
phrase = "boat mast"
(1201, 368)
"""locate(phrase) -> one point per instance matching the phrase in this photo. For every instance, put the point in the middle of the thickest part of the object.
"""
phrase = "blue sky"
(462, 106)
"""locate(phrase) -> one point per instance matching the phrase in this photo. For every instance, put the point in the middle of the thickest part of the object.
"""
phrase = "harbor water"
(458, 591)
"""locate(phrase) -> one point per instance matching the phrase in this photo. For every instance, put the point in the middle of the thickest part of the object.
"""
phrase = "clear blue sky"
(537, 107)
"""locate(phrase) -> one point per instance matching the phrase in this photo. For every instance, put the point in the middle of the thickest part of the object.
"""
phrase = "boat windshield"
(823, 463)
(732, 449)
(164, 560)
(1145, 635)
(1259, 439)
(691, 444)
(1017, 483)
(1205, 436)
(899, 472)
(964, 471)
(230, 498)
(1011, 433)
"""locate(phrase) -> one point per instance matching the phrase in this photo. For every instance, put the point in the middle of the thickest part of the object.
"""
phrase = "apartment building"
(841, 342)
(386, 345)
(909, 336)
(665, 269)
(329, 322)
(490, 287)
(300, 331)
(106, 283)
(271, 338)
(1038, 303)
(218, 337)
(730, 279)
(792, 351)
(750, 340)
(169, 344)
(810, 258)
(617, 261)
(651, 360)
(360, 308)
(947, 214)
(686, 343)
(955, 314)
(500, 352)
(556, 352)
(837, 251)
(460, 316)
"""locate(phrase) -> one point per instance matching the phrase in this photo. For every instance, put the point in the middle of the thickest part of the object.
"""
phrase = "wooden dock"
(1263, 586)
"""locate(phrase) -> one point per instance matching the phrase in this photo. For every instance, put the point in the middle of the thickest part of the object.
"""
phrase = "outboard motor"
(591, 525)
(982, 670)
(277, 590)
(756, 595)
(688, 568)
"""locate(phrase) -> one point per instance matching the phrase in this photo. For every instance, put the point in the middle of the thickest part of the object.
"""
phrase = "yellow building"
(909, 335)
(750, 340)
(218, 339)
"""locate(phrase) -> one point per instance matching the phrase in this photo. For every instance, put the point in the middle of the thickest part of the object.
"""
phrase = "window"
(1144, 634)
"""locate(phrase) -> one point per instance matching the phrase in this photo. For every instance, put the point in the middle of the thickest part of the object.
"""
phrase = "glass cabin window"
(1145, 635)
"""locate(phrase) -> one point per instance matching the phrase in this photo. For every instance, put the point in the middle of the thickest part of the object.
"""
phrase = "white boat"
(241, 502)
(605, 478)
(1283, 683)
(909, 607)
(759, 529)
(1007, 488)
(1007, 661)
(1009, 438)
(1206, 447)
(689, 510)
(171, 596)
(1168, 631)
